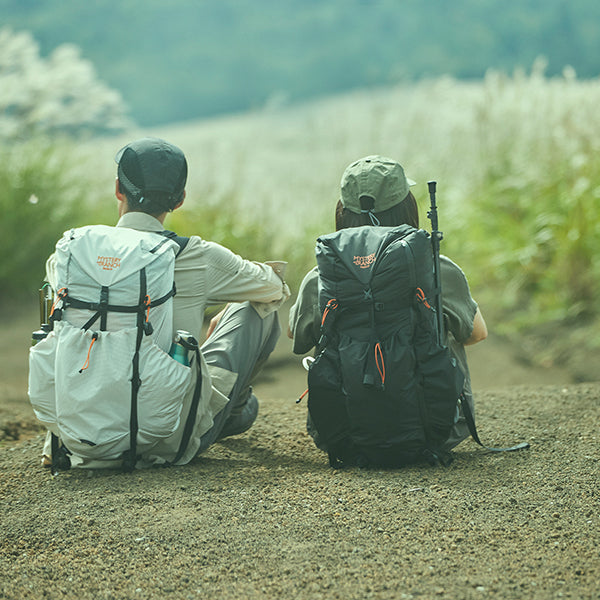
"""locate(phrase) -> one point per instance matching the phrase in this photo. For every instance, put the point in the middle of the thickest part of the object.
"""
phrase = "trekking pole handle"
(432, 213)
(431, 185)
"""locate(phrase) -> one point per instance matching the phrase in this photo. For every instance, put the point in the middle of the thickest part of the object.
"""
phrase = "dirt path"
(262, 515)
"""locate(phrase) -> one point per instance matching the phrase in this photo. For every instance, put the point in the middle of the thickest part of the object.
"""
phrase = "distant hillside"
(185, 59)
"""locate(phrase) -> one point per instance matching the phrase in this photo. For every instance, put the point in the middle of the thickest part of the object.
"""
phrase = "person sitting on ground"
(382, 182)
(151, 179)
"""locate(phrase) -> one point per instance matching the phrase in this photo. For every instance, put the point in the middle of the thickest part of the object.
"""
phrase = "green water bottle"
(183, 342)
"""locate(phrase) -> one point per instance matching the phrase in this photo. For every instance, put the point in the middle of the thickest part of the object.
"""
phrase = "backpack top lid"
(110, 254)
(385, 263)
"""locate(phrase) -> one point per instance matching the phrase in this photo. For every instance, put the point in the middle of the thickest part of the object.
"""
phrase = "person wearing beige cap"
(376, 192)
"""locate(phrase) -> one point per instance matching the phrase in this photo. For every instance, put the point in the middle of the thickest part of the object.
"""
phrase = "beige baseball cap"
(377, 177)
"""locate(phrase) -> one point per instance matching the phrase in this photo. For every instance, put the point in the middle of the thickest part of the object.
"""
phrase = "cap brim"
(410, 182)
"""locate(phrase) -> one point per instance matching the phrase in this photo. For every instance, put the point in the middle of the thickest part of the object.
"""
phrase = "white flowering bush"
(44, 104)
(57, 94)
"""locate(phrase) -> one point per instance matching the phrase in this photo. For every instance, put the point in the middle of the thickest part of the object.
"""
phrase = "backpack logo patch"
(364, 262)
(108, 263)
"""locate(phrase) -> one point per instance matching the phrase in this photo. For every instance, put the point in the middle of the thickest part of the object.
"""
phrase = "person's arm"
(462, 315)
(479, 332)
(304, 321)
(227, 276)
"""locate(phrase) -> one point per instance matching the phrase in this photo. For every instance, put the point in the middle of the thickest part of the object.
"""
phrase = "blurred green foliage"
(40, 197)
(531, 224)
(536, 265)
(225, 226)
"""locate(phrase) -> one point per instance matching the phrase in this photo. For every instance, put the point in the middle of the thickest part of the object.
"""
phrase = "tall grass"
(516, 159)
(533, 215)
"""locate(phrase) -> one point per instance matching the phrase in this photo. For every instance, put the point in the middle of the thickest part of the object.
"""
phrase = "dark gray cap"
(152, 165)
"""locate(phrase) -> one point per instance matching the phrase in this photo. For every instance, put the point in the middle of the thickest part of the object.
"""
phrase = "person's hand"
(214, 322)
(480, 331)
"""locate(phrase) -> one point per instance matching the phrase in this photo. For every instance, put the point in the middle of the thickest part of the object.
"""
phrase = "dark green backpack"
(382, 390)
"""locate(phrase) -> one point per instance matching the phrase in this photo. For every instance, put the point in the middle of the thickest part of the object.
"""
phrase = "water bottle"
(183, 342)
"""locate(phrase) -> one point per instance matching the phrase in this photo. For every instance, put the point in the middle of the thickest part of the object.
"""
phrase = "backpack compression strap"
(102, 308)
(191, 417)
(130, 456)
(468, 414)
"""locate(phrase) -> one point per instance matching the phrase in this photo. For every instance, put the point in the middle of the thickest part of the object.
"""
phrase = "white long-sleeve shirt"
(207, 273)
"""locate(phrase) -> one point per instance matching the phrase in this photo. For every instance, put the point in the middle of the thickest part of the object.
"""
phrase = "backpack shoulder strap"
(178, 239)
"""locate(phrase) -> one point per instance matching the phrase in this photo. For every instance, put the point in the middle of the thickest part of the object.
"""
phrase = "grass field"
(516, 160)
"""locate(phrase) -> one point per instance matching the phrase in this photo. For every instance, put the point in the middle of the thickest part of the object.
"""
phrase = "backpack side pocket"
(165, 384)
(41, 389)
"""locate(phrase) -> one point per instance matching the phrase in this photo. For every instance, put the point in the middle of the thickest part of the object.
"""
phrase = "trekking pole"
(45, 293)
(436, 238)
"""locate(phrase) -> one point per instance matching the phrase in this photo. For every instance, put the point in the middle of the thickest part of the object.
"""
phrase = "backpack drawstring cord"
(302, 396)
(86, 364)
(378, 357)
(147, 305)
(331, 306)
(421, 297)
(306, 362)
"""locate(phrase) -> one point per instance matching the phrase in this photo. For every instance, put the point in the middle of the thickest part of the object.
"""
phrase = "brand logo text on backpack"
(364, 262)
(108, 263)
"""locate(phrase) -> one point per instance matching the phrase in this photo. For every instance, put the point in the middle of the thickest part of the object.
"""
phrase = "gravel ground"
(262, 515)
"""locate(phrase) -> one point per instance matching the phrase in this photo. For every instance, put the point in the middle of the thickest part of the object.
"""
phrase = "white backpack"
(102, 381)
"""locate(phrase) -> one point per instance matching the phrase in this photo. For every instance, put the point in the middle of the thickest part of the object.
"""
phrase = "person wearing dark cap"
(151, 179)
(376, 192)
